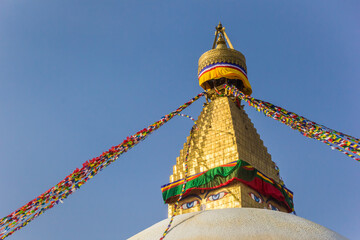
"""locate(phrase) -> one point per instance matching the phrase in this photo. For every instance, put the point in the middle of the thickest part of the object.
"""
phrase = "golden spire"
(224, 134)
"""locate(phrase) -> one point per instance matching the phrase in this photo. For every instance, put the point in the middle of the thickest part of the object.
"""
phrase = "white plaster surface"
(238, 223)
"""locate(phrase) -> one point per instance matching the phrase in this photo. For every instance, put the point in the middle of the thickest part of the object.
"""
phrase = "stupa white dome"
(238, 223)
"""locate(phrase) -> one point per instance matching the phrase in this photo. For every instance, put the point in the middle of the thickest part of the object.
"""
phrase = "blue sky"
(77, 77)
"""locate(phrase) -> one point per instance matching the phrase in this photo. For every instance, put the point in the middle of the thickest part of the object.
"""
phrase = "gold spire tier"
(224, 134)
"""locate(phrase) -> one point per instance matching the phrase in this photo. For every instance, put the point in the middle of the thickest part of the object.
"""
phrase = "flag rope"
(336, 140)
(176, 205)
(22, 216)
(344, 143)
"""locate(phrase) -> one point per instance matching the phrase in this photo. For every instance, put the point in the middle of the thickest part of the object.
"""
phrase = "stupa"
(233, 188)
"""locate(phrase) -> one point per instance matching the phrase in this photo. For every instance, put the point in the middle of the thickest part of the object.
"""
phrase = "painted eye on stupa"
(217, 196)
(256, 198)
(272, 207)
(189, 205)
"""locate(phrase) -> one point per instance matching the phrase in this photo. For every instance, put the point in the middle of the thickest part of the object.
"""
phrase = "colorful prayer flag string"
(336, 140)
(187, 116)
(183, 186)
(22, 216)
(221, 95)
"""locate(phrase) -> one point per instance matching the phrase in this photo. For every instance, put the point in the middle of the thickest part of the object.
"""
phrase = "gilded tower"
(225, 167)
(224, 135)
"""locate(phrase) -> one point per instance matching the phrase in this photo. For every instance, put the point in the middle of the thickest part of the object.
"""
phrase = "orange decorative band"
(223, 70)
(217, 65)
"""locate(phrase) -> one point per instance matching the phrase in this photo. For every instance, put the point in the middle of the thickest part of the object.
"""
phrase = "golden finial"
(220, 43)
(220, 31)
(219, 27)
